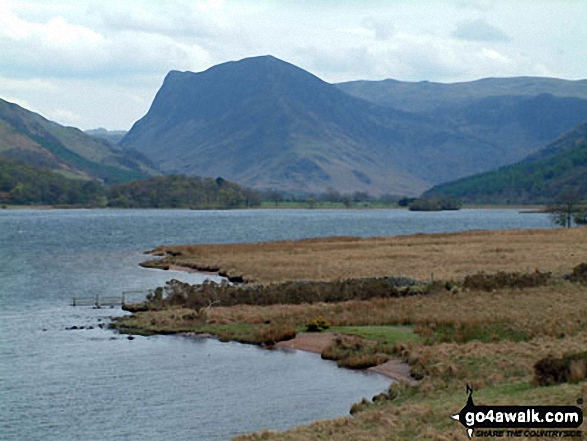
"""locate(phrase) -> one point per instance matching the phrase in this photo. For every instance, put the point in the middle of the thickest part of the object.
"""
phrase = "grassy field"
(488, 332)
(442, 256)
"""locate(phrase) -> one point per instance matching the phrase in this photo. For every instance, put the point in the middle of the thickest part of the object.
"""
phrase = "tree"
(580, 217)
(311, 201)
(360, 196)
(274, 196)
(388, 199)
(567, 208)
(331, 195)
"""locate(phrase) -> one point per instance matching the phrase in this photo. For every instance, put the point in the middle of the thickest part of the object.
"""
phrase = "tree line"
(23, 184)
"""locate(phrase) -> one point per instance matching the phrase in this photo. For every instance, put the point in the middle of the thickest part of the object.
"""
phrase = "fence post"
(97, 300)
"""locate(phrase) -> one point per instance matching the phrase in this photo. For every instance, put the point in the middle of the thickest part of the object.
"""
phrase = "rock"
(130, 337)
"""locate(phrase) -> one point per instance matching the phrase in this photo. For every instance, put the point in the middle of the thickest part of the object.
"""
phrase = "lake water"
(93, 384)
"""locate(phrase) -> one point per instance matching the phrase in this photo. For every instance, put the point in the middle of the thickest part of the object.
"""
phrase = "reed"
(422, 257)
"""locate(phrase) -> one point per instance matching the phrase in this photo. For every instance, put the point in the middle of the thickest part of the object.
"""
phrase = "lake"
(93, 384)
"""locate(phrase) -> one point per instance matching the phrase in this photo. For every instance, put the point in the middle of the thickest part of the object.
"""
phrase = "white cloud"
(67, 117)
(57, 48)
(479, 30)
(178, 19)
(415, 57)
(382, 29)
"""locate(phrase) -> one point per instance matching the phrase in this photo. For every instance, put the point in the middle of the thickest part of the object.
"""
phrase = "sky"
(99, 63)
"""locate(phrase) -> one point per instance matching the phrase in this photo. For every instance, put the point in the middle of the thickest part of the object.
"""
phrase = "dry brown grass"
(446, 256)
(557, 310)
(450, 365)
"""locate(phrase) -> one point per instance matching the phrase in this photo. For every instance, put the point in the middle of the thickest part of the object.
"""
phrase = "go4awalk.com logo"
(519, 421)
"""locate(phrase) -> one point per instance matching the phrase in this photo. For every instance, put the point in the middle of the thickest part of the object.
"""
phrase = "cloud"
(414, 57)
(57, 48)
(86, 103)
(68, 117)
(479, 30)
(176, 20)
(382, 29)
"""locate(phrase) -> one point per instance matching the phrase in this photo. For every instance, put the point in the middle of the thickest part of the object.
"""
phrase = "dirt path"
(309, 341)
(318, 341)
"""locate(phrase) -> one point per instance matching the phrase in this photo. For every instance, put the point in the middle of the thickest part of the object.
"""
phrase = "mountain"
(423, 96)
(513, 116)
(266, 123)
(112, 136)
(540, 178)
(28, 137)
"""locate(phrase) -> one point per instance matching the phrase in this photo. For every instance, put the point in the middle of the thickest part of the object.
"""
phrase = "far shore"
(532, 208)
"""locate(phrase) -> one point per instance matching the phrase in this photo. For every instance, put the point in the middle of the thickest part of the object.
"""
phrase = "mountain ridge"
(31, 138)
(299, 130)
(266, 123)
(402, 94)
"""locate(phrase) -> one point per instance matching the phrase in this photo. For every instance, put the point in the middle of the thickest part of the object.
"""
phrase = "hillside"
(537, 179)
(513, 116)
(28, 137)
(266, 123)
(22, 183)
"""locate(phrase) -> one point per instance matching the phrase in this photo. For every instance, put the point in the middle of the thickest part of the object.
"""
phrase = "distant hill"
(266, 123)
(424, 96)
(540, 178)
(112, 136)
(513, 117)
(28, 137)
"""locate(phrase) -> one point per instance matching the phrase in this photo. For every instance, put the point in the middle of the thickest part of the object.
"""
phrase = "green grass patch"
(266, 335)
(232, 331)
(486, 333)
(382, 334)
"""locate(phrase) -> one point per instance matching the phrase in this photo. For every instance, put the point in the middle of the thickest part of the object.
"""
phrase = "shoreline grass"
(549, 321)
(490, 327)
(444, 256)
